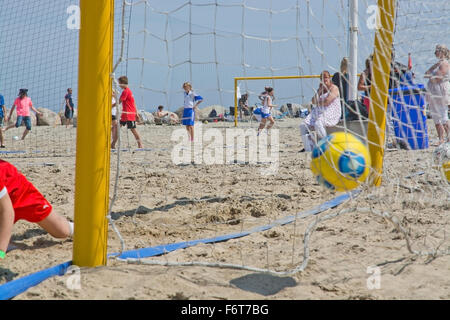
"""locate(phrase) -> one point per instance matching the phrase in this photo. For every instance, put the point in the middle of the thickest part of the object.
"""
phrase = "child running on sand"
(266, 109)
(20, 200)
(23, 104)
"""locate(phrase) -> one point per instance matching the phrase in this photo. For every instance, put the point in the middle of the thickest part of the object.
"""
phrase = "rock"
(179, 112)
(145, 117)
(49, 118)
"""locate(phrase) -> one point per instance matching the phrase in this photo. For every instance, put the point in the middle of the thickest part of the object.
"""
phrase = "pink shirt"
(23, 106)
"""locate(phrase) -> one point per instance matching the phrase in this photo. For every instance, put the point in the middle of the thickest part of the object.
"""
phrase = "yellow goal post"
(93, 133)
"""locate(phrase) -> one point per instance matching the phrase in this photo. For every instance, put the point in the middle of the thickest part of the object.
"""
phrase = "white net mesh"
(41, 38)
(263, 200)
(209, 43)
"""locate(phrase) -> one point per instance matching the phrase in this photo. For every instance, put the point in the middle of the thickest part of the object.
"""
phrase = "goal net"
(237, 197)
(285, 45)
(41, 54)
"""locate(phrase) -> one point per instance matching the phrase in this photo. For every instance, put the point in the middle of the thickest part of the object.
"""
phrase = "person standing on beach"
(23, 104)
(129, 110)
(68, 113)
(20, 200)
(191, 101)
(438, 92)
(3, 119)
(340, 79)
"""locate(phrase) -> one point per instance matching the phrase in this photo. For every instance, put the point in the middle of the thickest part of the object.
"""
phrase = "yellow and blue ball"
(446, 170)
(340, 161)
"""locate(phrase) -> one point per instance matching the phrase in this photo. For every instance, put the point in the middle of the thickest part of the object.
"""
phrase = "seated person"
(243, 105)
(164, 116)
(327, 112)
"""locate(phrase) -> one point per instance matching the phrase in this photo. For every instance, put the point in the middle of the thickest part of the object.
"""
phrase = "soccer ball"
(441, 158)
(340, 161)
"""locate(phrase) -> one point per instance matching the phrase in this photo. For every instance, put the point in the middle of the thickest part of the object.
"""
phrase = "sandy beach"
(160, 202)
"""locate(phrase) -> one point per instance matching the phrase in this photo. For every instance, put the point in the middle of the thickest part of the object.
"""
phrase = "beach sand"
(159, 202)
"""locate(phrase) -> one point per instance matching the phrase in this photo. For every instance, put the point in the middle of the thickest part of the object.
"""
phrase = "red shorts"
(30, 205)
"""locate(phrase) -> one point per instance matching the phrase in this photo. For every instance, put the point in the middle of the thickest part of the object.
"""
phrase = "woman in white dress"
(327, 112)
(438, 92)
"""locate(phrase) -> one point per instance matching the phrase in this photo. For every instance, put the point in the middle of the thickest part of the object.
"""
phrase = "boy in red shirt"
(129, 111)
(20, 200)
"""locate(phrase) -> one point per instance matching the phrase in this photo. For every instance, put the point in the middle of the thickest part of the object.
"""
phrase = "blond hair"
(344, 65)
(188, 84)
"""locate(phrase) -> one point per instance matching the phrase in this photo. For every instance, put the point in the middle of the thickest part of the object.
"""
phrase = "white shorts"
(439, 114)
(438, 98)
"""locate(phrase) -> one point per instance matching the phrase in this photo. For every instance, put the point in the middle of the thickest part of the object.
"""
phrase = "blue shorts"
(26, 120)
(68, 114)
(265, 115)
(188, 117)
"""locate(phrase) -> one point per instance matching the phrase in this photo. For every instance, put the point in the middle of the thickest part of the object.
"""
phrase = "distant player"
(23, 104)
(191, 101)
(266, 109)
(20, 200)
(129, 110)
(3, 119)
(69, 110)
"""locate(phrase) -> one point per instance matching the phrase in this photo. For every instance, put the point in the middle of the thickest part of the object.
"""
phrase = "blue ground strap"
(15, 287)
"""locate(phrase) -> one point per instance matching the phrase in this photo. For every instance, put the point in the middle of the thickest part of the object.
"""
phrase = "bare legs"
(442, 131)
(114, 133)
(190, 130)
(137, 137)
(2, 140)
(25, 134)
(57, 226)
(12, 126)
(263, 124)
(305, 133)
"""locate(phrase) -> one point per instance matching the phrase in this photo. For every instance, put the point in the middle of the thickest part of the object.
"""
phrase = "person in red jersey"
(129, 111)
(20, 200)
